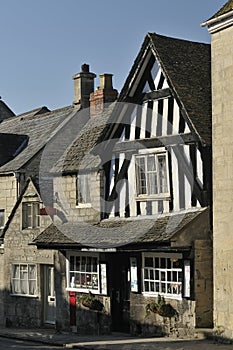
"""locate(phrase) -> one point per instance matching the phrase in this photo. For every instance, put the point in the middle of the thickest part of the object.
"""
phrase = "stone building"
(135, 193)
(220, 27)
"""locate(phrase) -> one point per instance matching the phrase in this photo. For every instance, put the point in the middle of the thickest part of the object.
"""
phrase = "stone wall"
(22, 311)
(222, 105)
(8, 193)
(65, 190)
(149, 323)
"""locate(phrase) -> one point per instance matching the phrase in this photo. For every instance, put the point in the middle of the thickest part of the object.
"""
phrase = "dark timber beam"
(154, 142)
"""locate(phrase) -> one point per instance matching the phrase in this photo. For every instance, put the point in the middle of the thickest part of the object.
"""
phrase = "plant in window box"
(89, 300)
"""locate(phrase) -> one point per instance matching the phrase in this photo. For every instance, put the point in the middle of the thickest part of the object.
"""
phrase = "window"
(151, 174)
(2, 218)
(83, 189)
(163, 275)
(31, 214)
(83, 272)
(23, 281)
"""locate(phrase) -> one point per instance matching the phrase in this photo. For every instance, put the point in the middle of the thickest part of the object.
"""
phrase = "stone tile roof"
(115, 232)
(39, 126)
(187, 67)
(82, 154)
(226, 8)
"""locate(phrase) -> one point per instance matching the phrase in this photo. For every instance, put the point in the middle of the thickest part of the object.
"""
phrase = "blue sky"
(43, 43)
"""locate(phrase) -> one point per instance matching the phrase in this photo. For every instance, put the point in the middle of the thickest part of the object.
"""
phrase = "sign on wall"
(133, 275)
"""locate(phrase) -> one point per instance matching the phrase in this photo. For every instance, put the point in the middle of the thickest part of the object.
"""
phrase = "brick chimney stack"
(104, 94)
(83, 86)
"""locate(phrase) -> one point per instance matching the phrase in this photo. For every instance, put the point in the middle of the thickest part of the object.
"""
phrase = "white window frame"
(157, 153)
(83, 198)
(23, 277)
(148, 272)
(30, 215)
(70, 282)
(2, 216)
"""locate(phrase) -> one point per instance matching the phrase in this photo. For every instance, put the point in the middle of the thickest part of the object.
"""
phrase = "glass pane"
(151, 274)
(162, 174)
(146, 274)
(157, 262)
(77, 263)
(95, 281)
(72, 263)
(16, 286)
(163, 276)
(89, 264)
(163, 263)
(83, 280)
(32, 287)
(151, 165)
(152, 286)
(88, 280)
(32, 271)
(152, 183)
(83, 188)
(23, 287)
(94, 266)
(83, 263)
(157, 275)
(157, 287)
(141, 174)
(16, 271)
(149, 262)
(169, 276)
(146, 286)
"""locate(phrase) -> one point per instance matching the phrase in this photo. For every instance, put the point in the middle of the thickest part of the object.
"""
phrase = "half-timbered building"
(146, 254)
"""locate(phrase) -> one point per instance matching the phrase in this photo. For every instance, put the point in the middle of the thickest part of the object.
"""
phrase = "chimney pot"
(106, 81)
(85, 68)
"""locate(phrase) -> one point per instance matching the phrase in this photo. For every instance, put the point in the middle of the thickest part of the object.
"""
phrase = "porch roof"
(115, 233)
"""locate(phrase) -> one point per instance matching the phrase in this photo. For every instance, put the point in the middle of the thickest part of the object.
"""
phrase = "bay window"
(83, 272)
(163, 274)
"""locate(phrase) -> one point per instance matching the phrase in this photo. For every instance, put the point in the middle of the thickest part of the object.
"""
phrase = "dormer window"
(30, 215)
(152, 175)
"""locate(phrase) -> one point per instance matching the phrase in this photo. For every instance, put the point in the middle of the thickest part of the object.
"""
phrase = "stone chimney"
(83, 86)
(103, 94)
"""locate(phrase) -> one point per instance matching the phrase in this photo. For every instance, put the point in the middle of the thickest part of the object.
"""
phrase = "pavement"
(115, 341)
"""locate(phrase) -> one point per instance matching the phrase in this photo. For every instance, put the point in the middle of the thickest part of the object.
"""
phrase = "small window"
(31, 214)
(24, 280)
(83, 189)
(2, 218)
(83, 273)
(163, 275)
(151, 174)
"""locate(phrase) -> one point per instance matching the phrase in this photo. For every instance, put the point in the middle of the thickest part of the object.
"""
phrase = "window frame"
(30, 220)
(20, 280)
(145, 155)
(165, 270)
(87, 180)
(69, 271)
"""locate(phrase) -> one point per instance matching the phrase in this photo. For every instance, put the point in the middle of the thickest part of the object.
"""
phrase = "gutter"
(215, 23)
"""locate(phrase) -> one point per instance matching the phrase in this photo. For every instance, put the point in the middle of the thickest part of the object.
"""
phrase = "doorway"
(120, 292)
(49, 295)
